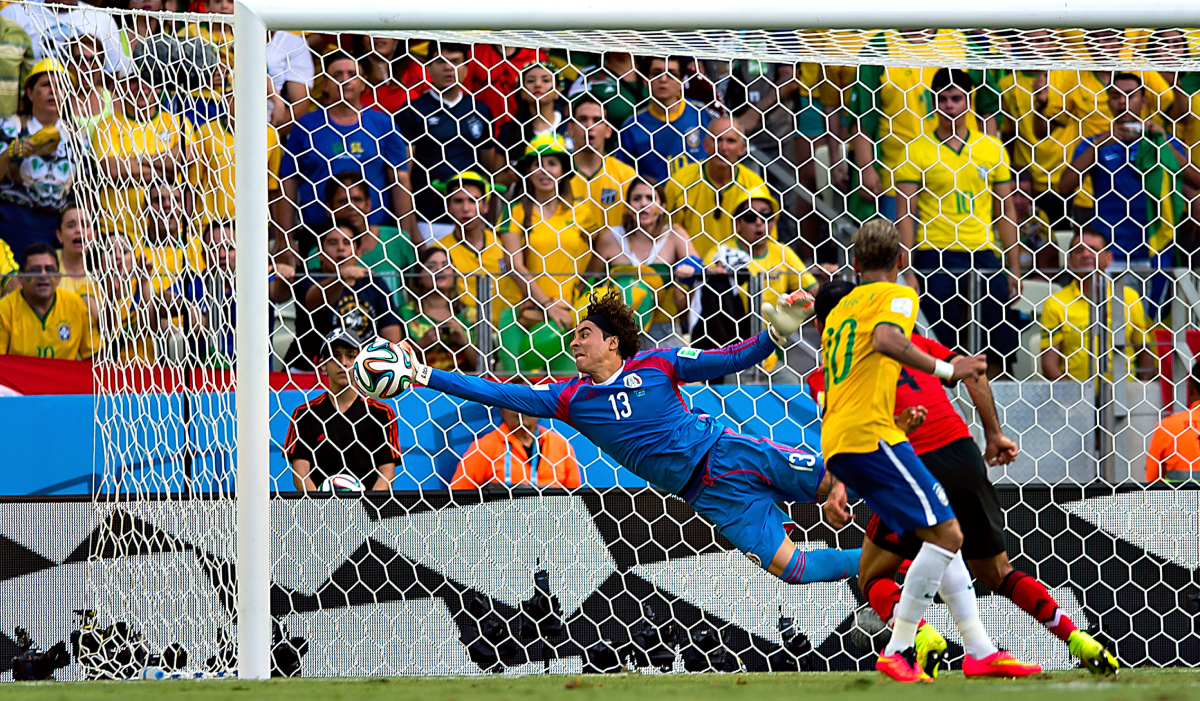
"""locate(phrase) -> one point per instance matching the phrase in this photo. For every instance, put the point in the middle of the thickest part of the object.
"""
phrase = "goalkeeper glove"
(420, 371)
(793, 310)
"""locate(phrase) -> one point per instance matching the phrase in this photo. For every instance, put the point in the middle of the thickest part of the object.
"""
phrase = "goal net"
(467, 192)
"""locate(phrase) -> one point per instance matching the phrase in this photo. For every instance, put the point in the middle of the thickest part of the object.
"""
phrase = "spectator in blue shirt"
(338, 138)
(1126, 163)
(668, 132)
(1118, 185)
(450, 133)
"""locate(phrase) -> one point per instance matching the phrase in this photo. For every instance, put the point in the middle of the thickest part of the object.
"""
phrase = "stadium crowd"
(469, 198)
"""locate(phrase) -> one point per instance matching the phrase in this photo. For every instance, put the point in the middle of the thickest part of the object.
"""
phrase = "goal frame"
(254, 18)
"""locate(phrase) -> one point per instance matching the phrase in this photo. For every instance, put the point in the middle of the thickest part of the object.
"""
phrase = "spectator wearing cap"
(548, 245)
(947, 187)
(339, 432)
(50, 24)
(700, 196)
(754, 250)
(16, 61)
(519, 452)
(473, 248)
(341, 295)
(1066, 315)
(343, 137)
(37, 160)
(437, 321)
(140, 144)
(1174, 453)
(1137, 173)
(645, 255)
(450, 132)
(600, 181)
(540, 110)
(41, 320)
(668, 133)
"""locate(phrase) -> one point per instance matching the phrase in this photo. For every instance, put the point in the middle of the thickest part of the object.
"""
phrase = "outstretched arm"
(536, 400)
(699, 366)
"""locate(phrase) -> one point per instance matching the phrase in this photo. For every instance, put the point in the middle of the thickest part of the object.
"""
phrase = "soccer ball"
(382, 370)
(342, 483)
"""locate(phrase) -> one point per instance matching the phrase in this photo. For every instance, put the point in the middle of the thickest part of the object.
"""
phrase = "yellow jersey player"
(865, 342)
(40, 320)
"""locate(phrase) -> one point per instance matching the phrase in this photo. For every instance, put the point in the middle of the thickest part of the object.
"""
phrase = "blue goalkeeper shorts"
(740, 483)
(896, 485)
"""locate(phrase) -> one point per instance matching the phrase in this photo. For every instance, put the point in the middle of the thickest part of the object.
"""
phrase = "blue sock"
(821, 566)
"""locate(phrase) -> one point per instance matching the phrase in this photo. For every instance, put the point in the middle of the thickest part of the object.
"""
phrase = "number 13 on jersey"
(620, 405)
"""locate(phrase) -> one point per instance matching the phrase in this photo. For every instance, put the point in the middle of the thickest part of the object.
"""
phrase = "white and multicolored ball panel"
(382, 370)
(342, 483)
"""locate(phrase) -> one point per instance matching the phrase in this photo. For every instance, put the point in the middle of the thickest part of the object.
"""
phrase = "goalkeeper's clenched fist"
(783, 321)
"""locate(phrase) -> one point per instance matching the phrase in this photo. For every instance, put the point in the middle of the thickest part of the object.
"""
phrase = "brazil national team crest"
(693, 139)
(64, 331)
(633, 381)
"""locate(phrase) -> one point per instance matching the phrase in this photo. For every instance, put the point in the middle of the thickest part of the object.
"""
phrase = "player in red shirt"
(944, 443)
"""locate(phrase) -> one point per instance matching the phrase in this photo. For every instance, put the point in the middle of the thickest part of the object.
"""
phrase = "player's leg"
(739, 496)
(795, 566)
(983, 657)
(901, 492)
(960, 469)
(898, 487)
(882, 555)
(1032, 597)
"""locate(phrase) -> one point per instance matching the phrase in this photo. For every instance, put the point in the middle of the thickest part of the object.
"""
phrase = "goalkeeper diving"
(628, 403)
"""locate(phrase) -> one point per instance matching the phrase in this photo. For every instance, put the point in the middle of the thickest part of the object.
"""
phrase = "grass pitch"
(1131, 685)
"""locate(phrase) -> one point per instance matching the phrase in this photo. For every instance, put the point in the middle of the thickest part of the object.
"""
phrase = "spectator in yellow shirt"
(600, 180)
(757, 253)
(170, 247)
(947, 187)
(41, 320)
(700, 195)
(1066, 316)
(139, 145)
(473, 247)
(75, 235)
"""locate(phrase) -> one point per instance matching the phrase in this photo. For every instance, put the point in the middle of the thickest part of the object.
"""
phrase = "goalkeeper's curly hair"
(611, 306)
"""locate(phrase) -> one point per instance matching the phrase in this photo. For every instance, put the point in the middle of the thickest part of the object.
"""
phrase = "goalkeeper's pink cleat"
(998, 664)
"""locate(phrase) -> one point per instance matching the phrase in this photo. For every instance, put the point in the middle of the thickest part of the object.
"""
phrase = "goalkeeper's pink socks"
(1033, 598)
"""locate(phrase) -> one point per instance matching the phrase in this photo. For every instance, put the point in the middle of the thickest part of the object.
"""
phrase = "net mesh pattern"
(476, 226)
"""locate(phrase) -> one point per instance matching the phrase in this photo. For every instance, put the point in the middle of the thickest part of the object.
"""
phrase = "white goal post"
(254, 18)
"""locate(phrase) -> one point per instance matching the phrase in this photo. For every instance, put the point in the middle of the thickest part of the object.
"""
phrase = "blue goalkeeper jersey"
(639, 416)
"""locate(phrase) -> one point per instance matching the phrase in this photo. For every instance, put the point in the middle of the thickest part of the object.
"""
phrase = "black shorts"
(960, 469)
